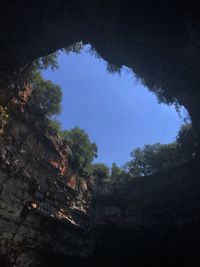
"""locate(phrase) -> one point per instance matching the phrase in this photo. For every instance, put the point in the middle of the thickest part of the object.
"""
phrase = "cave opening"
(112, 105)
(150, 219)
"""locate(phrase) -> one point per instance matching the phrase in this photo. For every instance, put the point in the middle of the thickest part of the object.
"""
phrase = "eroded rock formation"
(42, 207)
(151, 221)
(51, 217)
(43, 210)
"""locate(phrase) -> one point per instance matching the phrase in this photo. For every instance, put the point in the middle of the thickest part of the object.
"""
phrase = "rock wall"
(171, 197)
(49, 216)
(44, 206)
(41, 210)
(151, 221)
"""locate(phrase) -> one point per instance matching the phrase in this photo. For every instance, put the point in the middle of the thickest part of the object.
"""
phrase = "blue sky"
(117, 112)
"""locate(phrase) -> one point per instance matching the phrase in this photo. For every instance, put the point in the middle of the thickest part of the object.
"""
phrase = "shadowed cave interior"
(45, 221)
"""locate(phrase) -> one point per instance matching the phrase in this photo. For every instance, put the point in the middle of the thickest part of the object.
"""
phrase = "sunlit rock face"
(50, 216)
(40, 208)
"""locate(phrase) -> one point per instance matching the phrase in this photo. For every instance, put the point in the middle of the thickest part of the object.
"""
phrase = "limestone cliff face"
(150, 221)
(167, 199)
(43, 204)
(49, 216)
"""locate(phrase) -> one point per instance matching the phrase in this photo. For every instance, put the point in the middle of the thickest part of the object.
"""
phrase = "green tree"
(152, 159)
(117, 174)
(187, 142)
(137, 166)
(83, 151)
(56, 126)
(161, 157)
(75, 48)
(46, 95)
(167, 157)
(49, 61)
(100, 171)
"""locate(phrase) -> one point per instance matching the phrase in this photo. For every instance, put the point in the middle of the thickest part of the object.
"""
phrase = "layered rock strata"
(43, 204)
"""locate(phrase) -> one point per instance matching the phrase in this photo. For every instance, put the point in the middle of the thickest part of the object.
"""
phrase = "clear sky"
(117, 112)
